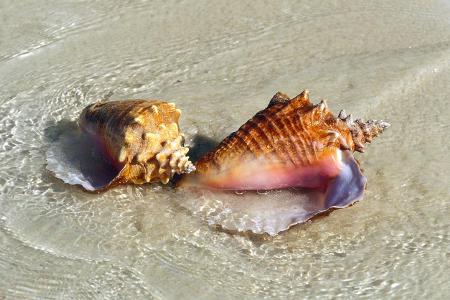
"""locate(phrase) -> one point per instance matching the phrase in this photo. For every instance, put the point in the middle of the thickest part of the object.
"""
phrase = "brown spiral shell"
(293, 132)
(141, 138)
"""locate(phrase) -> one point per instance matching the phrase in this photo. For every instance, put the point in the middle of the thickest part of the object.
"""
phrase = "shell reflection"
(292, 144)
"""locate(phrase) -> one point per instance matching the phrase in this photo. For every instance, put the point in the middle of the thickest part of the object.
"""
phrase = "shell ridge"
(269, 128)
(261, 131)
(273, 119)
(307, 136)
(247, 130)
(279, 98)
(301, 101)
(299, 138)
(289, 133)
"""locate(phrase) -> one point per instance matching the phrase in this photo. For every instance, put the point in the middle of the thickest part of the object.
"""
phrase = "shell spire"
(362, 132)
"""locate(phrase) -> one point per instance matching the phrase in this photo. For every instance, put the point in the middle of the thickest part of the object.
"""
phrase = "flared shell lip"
(352, 181)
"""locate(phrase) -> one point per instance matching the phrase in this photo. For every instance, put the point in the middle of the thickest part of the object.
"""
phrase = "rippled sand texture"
(221, 63)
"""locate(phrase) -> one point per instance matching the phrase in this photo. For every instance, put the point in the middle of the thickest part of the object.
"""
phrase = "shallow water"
(220, 63)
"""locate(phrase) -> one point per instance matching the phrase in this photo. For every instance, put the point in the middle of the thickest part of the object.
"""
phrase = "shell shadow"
(55, 129)
(201, 145)
(73, 158)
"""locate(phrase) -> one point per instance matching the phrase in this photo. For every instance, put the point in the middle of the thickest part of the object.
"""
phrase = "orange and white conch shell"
(290, 144)
(134, 141)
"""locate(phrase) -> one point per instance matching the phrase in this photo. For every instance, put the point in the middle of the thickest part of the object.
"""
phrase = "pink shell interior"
(276, 210)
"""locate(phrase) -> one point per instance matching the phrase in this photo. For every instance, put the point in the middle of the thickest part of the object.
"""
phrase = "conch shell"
(290, 144)
(134, 141)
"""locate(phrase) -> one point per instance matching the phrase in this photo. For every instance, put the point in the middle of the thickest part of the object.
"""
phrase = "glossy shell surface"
(290, 144)
(132, 141)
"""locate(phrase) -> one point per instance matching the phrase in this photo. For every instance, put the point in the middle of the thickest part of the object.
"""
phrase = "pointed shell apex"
(384, 124)
(323, 105)
(349, 120)
(342, 114)
(305, 94)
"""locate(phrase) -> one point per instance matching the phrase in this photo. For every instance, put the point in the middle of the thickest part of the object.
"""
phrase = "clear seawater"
(220, 62)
